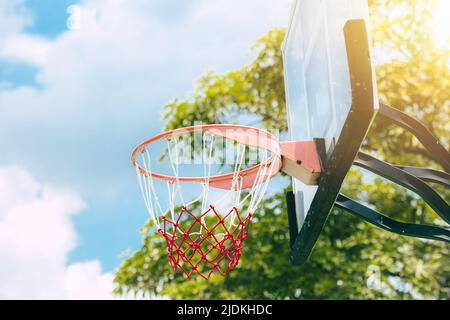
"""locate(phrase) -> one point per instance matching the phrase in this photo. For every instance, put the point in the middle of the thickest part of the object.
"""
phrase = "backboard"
(331, 98)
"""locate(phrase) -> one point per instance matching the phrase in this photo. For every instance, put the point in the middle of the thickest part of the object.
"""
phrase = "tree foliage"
(352, 260)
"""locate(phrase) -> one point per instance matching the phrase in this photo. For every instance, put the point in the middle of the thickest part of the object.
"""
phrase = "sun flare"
(442, 24)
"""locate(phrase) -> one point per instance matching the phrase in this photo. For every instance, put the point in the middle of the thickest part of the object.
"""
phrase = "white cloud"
(86, 280)
(36, 235)
(25, 49)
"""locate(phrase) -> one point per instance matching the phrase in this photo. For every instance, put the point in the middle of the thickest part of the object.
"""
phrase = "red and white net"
(204, 226)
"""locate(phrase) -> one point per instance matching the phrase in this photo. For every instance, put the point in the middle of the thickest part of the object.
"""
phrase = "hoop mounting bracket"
(301, 160)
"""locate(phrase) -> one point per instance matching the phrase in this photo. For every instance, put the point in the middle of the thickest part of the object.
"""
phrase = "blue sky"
(74, 103)
(49, 17)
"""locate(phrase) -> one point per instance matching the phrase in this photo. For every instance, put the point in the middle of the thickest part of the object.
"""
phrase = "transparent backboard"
(318, 88)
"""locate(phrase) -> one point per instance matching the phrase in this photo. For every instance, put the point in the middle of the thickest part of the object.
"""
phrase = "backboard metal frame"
(362, 113)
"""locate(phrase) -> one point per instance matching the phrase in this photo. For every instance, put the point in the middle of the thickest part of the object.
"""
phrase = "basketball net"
(204, 235)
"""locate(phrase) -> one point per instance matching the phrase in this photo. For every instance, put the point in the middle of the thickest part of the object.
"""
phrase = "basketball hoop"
(205, 234)
(205, 218)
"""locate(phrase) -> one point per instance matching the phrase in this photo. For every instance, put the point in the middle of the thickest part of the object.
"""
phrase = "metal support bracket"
(406, 180)
(434, 147)
(381, 221)
(413, 179)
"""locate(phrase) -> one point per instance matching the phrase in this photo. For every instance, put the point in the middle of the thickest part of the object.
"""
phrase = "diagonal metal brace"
(391, 225)
(434, 147)
(406, 180)
(429, 175)
(411, 178)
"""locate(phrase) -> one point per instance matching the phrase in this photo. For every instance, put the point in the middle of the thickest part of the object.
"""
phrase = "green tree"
(352, 260)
